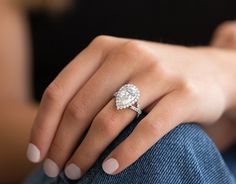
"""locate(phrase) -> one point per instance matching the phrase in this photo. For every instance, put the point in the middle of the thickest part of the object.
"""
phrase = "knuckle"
(131, 48)
(189, 88)
(54, 92)
(132, 45)
(76, 111)
(56, 147)
(132, 150)
(104, 123)
(159, 70)
(152, 128)
(134, 53)
(131, 51)
(85, 157)
(101, 41)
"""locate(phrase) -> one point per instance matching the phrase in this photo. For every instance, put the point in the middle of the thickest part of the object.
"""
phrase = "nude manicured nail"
(72, 172)
(50, 168)
(33, 153)
(110, 166)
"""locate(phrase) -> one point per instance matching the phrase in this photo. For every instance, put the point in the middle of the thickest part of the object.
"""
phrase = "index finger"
(61, 90)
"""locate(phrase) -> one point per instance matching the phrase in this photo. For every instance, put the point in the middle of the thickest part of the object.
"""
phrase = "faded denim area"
(184, 156)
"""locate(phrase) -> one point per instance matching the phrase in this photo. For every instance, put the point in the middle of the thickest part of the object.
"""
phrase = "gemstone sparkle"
(127, 96)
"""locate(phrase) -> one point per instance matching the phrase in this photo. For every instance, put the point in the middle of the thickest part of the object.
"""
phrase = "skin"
(225, 38)
(15, 96)
(174, 90)
(17, 109)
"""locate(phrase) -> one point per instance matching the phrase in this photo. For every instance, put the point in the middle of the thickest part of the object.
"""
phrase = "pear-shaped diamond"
(127, 96)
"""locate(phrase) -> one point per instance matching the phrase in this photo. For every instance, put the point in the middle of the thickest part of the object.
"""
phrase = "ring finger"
(81, 110)
(109, 123)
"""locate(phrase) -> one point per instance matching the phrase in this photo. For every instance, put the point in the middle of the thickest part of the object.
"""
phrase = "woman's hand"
(224, 37)
(177, 84)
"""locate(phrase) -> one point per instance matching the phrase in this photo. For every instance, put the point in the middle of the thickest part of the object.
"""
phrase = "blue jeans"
(184, 155)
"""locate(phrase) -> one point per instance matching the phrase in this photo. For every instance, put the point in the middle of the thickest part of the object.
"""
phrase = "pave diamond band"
(127, 97)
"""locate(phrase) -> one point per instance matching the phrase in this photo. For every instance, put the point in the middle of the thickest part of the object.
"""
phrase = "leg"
(185, 155)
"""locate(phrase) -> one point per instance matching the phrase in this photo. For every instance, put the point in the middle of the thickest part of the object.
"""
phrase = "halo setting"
(127, 97)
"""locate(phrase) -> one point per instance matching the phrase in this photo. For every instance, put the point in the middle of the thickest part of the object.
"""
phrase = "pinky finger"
(164, 117)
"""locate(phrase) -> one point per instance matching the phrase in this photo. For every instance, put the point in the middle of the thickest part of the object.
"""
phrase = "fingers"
(166, 115)
(82, 108)
(108, 123)
(59, 93)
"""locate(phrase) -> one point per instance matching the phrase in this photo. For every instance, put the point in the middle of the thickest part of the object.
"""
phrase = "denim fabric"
(185, 155)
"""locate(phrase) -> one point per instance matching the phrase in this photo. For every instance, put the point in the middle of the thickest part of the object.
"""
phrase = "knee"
(185, 155)
(187, 144)
(186, 137)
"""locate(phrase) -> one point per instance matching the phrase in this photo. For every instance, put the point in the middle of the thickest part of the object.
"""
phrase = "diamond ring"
(127, 97)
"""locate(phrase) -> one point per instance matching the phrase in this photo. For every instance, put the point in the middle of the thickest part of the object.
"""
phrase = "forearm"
(15, 124)
(14, 54)
(17, 109)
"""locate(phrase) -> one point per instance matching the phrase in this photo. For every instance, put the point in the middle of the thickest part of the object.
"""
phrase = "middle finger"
(82, 108)
(108, 123)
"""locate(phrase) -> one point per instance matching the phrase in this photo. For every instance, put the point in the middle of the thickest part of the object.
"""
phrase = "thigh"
(184, 155)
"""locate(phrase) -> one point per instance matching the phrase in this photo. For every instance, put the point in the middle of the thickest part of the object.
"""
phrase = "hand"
(224, 37)
(177, 84)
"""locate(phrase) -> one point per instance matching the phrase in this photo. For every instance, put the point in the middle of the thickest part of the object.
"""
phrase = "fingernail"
(73, 172)
(110, 166)
(50, 168)
(33, 153)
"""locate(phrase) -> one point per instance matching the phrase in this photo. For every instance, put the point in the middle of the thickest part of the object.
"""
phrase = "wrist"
(224, 63)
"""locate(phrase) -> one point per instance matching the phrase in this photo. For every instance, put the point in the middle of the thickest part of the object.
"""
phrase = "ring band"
(127, 97)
